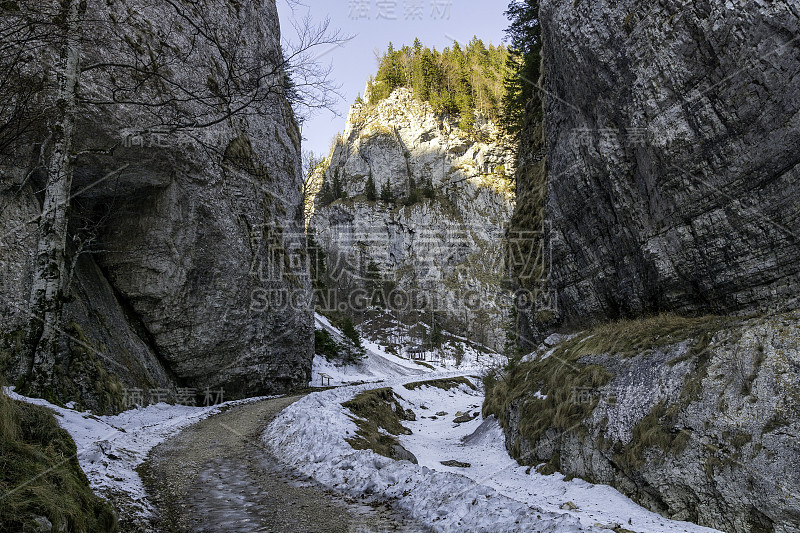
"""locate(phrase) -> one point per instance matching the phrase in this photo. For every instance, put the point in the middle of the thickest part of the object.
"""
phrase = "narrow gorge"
(544, 279)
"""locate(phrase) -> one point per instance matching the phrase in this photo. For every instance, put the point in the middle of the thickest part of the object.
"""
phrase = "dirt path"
(216, 476)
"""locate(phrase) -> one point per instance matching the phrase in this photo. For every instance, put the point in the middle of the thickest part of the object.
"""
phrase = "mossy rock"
(443, 383)
(375, 410)
(545, 390)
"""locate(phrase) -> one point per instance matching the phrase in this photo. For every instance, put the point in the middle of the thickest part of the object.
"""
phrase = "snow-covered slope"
(493, 494)
(481, 444)
(111, 447)
(380, 363)
(377, 365)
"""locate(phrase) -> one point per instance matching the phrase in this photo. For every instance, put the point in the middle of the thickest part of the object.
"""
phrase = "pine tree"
(369, 189)
(436, 333)
(428, 191)
(349, 331)
(326, 194)
(414, 195)
(465, 110)
(316, 256)
(451, 81)
(386, 192)
(373, 284)
(523, 62)
(338, 190)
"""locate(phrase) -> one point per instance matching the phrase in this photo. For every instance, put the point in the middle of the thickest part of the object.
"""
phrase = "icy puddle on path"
(216, 476)
(480, 444)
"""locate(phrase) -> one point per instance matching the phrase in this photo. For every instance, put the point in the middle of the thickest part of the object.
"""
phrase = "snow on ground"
(439, 439)
(493, 494)
(367, 372)
(378, 364)
(446, 501)
(111, 447)
(454, 353)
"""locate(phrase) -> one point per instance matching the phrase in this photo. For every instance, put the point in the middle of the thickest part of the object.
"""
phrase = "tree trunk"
(48, 281)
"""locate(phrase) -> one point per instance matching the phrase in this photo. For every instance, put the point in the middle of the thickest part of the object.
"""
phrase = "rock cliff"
(436, 244)
(696, 419)
(185, 247)
(660, 169)
(671, 133)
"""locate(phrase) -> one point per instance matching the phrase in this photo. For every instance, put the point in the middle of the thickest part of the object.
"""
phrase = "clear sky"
(375, 23)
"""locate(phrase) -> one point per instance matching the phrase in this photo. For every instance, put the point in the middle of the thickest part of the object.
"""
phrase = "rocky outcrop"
(703, 428)
(671, 135)
(189, 251)
(661, 170)
(440, 250)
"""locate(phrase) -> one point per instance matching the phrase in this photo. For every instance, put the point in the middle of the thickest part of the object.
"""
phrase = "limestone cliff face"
(444, 248)
(662, 168)
(706, 429)
(188, 246)
(673, 173)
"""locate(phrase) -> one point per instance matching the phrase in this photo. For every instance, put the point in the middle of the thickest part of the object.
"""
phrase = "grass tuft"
(552, 466)
(40, 474)
(85, 375)
(632, 337)
(375, 410)
(444, 383)
(653, 431)
(569, 390)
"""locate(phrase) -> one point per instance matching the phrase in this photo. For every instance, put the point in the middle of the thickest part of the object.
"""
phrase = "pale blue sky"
(377, 22)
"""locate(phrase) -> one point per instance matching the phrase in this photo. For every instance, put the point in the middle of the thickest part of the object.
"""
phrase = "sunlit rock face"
(441, 252)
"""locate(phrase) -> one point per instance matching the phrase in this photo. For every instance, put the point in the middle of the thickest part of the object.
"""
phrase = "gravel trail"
(215, 476)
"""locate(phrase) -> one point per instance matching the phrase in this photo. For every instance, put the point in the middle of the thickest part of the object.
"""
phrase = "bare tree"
(172, 80)
(20, 86)
(313, 169)
(46, 294)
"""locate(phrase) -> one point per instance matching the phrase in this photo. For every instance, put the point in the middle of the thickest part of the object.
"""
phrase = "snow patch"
(377, 365)
(111, 447)
(493, 494)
